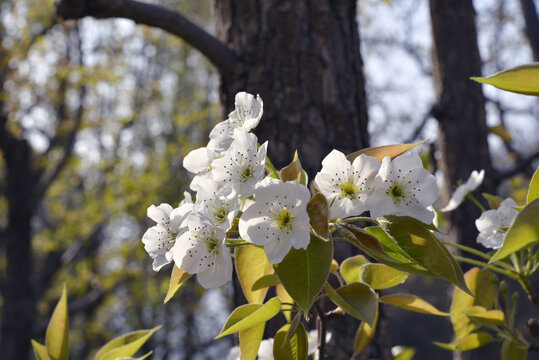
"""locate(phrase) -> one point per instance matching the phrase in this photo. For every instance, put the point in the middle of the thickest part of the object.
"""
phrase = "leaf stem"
(476, 202)
(485, 265)
(271, 168)
(359, 218)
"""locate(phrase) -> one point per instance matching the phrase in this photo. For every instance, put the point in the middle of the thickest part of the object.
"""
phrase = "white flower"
(493, 224)
(248, 111)
(198, 162)
(218, 204)
(476, 178)
(345, 185)
(221, 136)
(403, 187)
(278, 219)
(159, 239)
(234, 353)
(242, 165)
(202, 250)
(265, 351)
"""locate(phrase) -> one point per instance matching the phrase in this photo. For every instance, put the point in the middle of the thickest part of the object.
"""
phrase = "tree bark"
(303, 58)
(531, 29)
(459, 108)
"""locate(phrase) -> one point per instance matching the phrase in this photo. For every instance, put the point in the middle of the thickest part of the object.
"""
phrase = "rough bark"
(529, 10)
(303, 59)
(459, 108)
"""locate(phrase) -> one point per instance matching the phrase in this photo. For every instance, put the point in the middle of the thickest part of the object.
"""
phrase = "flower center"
(349, 190)
(284, 219)
(220, 214)
(396, 191)
(246, 174)
(502, 229)
(212, 244)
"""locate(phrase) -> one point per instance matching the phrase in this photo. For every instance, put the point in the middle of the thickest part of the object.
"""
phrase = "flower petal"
(199, 160)
(160, 214)
(219, 271)
(276, 250)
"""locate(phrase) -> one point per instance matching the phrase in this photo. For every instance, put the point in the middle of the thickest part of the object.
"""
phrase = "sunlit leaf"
(295, 349)
(247, 316)
(266, 281)
(293, 326)
(292, 172)
(334, 266)
(252, 264)
(40, 351)
(524, 232)
(493, 200)
(484, 316)
(513, 351)
(318, 211)
(125, 345)
(403, 352)
(304, 272)
(483, 284)
(57, 335)
(364, 335)
(380, 276)
(533, 189)
(469, 342)
(423, 247)
(357, 299)
(177, 278)
(250, 340)
(380, 152)
(412, 303)
(349, 268)
(523, 79)
(285, 298)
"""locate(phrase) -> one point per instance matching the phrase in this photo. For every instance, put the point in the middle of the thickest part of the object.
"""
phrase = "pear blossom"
(473, 182)
(202, 250)
(403, 187)
(277, 219)
(493, 224)
(159, 239)
(218, 204)
(346, 185)
(198, 162)
(242, 165)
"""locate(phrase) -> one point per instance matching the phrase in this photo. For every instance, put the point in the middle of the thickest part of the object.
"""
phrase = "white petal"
(255, 227)
(300, 236)
(488, 222)
(407, 161)
(189, 255)
(160, 214)
(199, 160)
(219, 271)
(476, 178)
(423, 184)
(276, 250)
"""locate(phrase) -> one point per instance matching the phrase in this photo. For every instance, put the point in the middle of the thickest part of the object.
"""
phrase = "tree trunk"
(460, 108)
(303, 58)
(531, 29)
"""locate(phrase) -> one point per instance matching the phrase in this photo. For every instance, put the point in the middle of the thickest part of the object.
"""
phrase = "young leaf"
(40, 351)
(334, 266)
(469, 342)
(380, 152)
(295, 349)
(493, 200)
(513, 351)
(483, 284)
(265, 282)
(350, 268)
(177, 278)
(247, 316)
(484, 316)
(318, 211)
(533, 189)
(412, 303)
(524, 232)
(252, 264)
(380, 276)
(292, 172)
(357, 299)
(250, 340)
(364, 335)
(523, 79)
(293, 326)
(304, 272)
(125, 345)
(423, 247)
(57, 335)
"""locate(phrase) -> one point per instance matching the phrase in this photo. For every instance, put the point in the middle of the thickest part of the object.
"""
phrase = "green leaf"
(247, 316)
(523, 79)
(484, 316)
(251, 264)
(483, 284)
(265, 282)
(493, 200)
(125, 345)
(524, 232)
(304, 178)
(40, 351)
(469, 342)
(293, 327)
(295, 349)
(364, 335)
(380, 152)
(412, 303)
(423, 247)
(132, 358)
(318, 211)
(292, 172)
(513, 351)
(357, 299)
(350, 268)
(250, 340)
(403, 352)
(334, 266)
(304, 272)
(533, 189)
(380, 276)
(177, 278)
(57, 335)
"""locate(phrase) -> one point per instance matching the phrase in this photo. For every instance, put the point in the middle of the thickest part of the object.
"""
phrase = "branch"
(518, 168)
(532, 25)
(156, 16)
(420, 127)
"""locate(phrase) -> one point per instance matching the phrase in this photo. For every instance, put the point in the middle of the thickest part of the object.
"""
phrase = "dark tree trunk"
(531, 29)
(460, 108)
(303, 58)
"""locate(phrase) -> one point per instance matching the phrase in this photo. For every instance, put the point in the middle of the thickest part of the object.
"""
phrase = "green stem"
(476, 252)
(354, 219)
(271, 168)
(476, 202)
(485, 265)
(238, 244)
